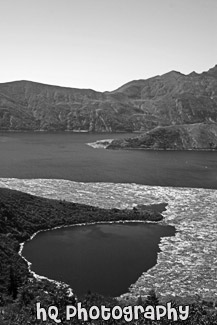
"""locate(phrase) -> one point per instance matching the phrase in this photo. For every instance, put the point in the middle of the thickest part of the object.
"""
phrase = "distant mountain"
(141, 105)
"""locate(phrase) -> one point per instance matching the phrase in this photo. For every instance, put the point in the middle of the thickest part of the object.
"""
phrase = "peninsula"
(22, 215)
(173, 111)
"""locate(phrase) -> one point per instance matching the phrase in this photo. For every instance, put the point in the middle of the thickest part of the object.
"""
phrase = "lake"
(63, 166)
(102, 258)
(66, 156)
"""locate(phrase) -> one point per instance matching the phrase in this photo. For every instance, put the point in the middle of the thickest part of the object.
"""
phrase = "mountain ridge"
(139, 105)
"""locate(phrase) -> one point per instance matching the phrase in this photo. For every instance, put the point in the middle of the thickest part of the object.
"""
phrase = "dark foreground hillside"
(21, 215)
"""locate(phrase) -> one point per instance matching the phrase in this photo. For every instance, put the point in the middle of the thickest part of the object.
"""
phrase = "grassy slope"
(22, 214)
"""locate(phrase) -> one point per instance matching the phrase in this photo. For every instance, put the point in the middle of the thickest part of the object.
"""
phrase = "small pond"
(102, 258)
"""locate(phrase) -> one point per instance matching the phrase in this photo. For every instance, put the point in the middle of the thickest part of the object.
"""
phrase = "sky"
(102, 44)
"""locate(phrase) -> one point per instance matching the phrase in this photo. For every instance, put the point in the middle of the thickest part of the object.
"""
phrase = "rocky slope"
(175, 137)
(27, 105)
(21, 215)
(141, 105)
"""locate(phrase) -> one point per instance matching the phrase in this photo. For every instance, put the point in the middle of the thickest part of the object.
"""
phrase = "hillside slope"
(21, 215)
(141, 105)
(177, 137)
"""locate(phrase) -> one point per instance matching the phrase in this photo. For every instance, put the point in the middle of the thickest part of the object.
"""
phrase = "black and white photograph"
(108, 162)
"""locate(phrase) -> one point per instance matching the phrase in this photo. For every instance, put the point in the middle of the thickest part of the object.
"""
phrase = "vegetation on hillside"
(21, 215)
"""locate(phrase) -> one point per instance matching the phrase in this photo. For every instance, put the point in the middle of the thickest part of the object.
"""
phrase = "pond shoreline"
(69, 215)
(60, 283)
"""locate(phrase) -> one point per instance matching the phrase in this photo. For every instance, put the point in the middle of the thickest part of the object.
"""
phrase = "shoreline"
(30, 215)
(39, 277)
(192, 211)
(99, 145)
(69, 131)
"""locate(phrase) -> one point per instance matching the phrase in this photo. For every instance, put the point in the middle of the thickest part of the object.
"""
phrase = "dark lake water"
(66, 156)
(103, 258)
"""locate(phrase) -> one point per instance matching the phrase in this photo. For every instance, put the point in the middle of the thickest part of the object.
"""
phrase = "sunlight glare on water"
(187, 262)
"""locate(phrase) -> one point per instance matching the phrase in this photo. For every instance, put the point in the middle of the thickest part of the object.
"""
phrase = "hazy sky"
(102, 44)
